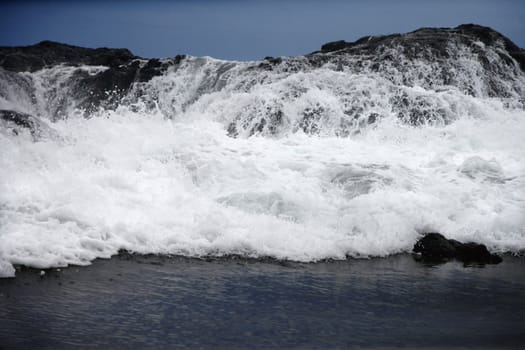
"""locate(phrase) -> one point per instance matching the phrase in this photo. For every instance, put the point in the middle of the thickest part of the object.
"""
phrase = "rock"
(273, 60)
(425, 41)
(90, 91)
(155, 67)
(430, 58)
(440, 48)
(18, 120)
(435, 247)
(334, 46)
(49, 53)
(107, 88)
(490, 36)
(269, 62)
(476, 253)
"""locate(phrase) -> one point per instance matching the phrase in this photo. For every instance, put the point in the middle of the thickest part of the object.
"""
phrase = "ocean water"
(152, 302)
(215, 158)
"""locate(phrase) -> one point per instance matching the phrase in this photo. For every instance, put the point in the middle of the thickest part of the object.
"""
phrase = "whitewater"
(215, 158)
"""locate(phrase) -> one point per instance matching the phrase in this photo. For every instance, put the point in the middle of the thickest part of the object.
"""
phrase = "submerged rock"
(435, 247)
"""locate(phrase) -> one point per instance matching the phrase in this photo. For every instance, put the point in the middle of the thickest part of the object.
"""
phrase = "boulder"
(434, 247)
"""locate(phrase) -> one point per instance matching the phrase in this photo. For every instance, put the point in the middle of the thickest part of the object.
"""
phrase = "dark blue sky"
(243, 30)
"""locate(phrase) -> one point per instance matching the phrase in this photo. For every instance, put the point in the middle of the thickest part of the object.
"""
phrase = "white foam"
(143, 183)
(135, 179)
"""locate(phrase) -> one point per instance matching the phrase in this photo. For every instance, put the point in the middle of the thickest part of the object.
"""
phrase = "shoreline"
(159, 259)
(152, 301)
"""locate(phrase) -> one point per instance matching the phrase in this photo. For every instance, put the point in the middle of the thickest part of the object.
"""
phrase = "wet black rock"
(155, 67)
(273, 60)
(49, 53)
(430, 42)
(103, 89)
(439, 48)
(335, 46)
(489, 37)
(434, 247)
(269, 63)
(18, 121)
(106, 78)
(21, 119)
(476, 253)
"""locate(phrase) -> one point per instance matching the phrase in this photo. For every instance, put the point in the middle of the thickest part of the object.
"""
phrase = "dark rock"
(156, 67)
(273, 60)
(441, 48)
(424, 42)
(264, 66)
(334, 46)
(398, 58)
(19, 120)
(150, 70)
(488, 36)
(269, 62)
(106, 88)
(476, 253)
(434, 247)
(49, 53)
(91, 92)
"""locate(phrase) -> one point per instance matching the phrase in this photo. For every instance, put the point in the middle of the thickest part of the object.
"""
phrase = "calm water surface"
(159, 302)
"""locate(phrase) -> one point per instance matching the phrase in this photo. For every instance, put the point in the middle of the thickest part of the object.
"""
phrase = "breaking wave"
(287, 159)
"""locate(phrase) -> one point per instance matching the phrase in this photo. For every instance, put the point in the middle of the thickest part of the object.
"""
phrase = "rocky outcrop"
(49, 53)
(400, 75)
(102, 89)
(441, 50)
(426, 42)
(434, 247)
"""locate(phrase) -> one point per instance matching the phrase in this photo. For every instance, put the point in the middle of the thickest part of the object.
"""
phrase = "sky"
(240, 30)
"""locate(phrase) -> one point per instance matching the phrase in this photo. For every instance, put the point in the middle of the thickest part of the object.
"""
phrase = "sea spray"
(302, 159)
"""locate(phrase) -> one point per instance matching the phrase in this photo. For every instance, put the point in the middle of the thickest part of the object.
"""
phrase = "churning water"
(296, 162)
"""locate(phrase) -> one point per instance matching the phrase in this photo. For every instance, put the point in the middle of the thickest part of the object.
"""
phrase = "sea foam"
(147, 184)
(190, 168)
